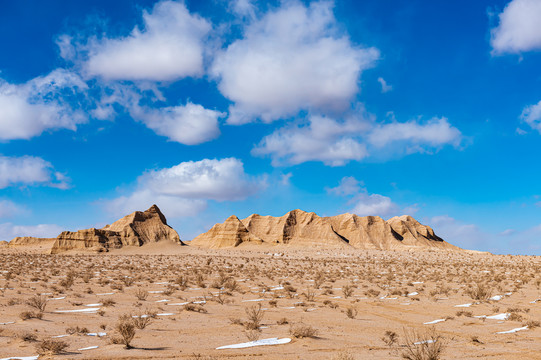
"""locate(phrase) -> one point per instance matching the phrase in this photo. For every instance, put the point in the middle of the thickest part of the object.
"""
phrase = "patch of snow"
(496, 298)
(464, 305)
(434, 322)
(78, 310)
(165, 314)
(94, 305)
(98, 334)
(88, 348)
(112, 293)
(413, 293)
(513, 330)
(262, 342)
(424, 342)
(253, 300)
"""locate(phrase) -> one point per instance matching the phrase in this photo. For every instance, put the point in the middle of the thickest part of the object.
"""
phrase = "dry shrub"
(108, 302)
(126, 331)
(302, 330)
(532, 324)
(38, 302)
(51, 347)
(351, 312)
(26, 315)
(77, 330)
(347, 290)
(141, 294)
(141, 320)
(480, 292)
(390, 338)
(426, 345)
(255, 315)
(195, 307)
(282, 321)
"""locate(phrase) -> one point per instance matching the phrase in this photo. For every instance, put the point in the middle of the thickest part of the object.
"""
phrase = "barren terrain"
(333, 304)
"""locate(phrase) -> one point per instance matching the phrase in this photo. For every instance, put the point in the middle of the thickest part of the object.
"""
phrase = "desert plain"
(331, 303)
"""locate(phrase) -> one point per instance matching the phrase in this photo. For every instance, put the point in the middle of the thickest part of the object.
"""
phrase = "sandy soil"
(353, 300)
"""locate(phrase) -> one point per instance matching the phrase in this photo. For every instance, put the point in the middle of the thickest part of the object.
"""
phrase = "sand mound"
(302, 229)
(136, 229)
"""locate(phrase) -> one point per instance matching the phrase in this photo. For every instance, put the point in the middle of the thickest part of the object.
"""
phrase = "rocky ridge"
(136, 229)
(302, 229)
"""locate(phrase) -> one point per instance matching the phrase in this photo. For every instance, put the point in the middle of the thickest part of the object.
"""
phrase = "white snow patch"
(22, 358)
(98, 334)
(434, 322)
(262, 342)
(89, 310)
(94, 305)
(464, 305)
(513, 330)
(88, 348)
(502, 316)
(496, 298)
(253, 300)
(413, 293)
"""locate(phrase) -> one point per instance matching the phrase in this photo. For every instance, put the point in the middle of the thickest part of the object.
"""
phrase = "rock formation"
(230, 233)
(136, 229)
(308, 230)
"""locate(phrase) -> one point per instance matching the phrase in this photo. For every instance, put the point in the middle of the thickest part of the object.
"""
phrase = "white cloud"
(8, 231)
(336, 142)
(365, 204)
(291, 59)
(170, 46)
(374, 204)
(435, 133)
(243, 8)
(27, 110)
(9, 209)
(467, 236)
(323, 139)
(189, 124)
(348, 186)
(384, 86)
(186, 188)
(532, 116)
(29, 170)
(518, 29)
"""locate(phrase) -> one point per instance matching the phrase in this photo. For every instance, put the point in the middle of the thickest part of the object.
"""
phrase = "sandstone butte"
(302, 229)
(136, 229)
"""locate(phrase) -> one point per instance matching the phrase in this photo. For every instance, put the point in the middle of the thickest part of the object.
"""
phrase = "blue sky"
(213, 108)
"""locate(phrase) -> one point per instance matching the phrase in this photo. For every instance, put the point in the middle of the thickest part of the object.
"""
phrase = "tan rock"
(230, 233)
(302, 229)
(136, 229)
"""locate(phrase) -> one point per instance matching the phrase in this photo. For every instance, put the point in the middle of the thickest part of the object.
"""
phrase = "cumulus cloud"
(417, 136)
(47, 102)
(335, 142)
(293, 58)
(374, 204)
(518, 28)
(188, 124)
(29, 170)
(532, 116)
(9, 231)
(322, 139)
(185, 189)
(364, 203)
(467, 236)
(170, 46)
(348, 186)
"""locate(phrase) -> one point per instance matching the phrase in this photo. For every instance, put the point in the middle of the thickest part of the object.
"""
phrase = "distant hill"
(303, 229)
(136, 229)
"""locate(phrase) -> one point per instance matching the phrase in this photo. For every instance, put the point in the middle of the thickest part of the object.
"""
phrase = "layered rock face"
(301, 229)
(136, 229)
(230, 233)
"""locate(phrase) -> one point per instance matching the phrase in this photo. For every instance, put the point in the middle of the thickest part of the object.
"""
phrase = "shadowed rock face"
(301, 229)
(136, 229)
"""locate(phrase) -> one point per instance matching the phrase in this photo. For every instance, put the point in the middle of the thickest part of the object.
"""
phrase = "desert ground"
(184, 303)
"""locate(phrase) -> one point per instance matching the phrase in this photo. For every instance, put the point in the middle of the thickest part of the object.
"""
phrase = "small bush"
(390, 338)
(255, 315)
(126, 330)
(51, 347)
(427, 345)
(38, 302)
(302, 330)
